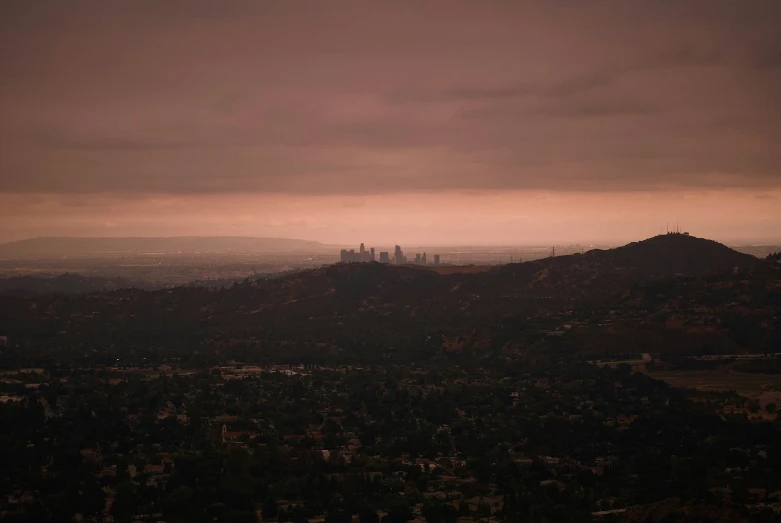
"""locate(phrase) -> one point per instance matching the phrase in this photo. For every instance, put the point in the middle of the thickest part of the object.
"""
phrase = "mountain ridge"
(546, 284)
(599, 273)
(370, 309)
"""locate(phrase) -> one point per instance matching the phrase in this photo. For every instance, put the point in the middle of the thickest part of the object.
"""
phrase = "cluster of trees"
(485, 418)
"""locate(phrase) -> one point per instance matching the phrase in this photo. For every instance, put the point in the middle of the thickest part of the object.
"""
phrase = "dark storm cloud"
(359, 98)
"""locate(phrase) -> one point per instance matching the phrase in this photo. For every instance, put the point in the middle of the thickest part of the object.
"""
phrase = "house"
(228, 435)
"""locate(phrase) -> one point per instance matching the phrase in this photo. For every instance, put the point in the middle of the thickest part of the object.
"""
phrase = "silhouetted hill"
(374, 308)
(676, 253)
(601, 273)
(64, 246)
(539, 285)
(597, 272)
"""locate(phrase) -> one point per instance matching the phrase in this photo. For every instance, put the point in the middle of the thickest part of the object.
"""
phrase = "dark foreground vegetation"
(371, 393)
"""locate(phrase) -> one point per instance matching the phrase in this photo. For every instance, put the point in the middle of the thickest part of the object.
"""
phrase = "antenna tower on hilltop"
(676, 230)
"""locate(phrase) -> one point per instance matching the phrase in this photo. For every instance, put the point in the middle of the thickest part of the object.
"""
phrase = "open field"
(764, 388)
(721, 380)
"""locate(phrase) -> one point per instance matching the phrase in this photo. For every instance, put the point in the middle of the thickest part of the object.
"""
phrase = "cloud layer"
(196, 97)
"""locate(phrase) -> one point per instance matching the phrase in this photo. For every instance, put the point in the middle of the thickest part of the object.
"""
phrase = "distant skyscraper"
(384, 258)
(398, 256)
(436, 259)
(423, 259)
(417, 259)
(354, 257)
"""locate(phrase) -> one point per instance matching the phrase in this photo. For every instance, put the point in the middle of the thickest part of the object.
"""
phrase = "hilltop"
(676, 253)
(601, 273)
(548, 282)
(367, 308)
(76, 246)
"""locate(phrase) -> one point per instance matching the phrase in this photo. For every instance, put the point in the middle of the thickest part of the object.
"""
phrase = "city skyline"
(398, 258)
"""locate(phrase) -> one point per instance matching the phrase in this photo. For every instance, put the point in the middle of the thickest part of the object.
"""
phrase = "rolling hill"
(369, 307)
(600, 273)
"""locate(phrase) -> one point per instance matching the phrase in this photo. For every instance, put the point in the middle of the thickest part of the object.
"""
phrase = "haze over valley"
(390, 262)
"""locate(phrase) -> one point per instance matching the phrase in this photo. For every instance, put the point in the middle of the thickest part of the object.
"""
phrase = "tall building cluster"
(357, 257)
(398, 258)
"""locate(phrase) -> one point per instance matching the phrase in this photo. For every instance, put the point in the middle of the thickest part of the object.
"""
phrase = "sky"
(418, 122)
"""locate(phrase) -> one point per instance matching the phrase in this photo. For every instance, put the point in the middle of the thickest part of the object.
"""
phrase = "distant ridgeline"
(673, 291)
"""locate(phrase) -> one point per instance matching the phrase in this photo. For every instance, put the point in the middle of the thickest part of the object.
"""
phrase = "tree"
(398, 514)
(439, 513)
(338, 516)
(91, 497)
(368, 516)
(182, 502)
(240, 516)
(269, 508)
(125, 501)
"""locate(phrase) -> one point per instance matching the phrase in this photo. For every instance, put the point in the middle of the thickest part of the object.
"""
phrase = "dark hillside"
(365, 308)
(598, 273)
(676, 253)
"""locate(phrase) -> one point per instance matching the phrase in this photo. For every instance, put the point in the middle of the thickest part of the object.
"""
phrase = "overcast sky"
(404, 121)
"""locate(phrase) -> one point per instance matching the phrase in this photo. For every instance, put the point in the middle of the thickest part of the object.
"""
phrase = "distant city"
(364, 256)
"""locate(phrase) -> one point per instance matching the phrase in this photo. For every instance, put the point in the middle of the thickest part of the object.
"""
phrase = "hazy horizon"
(585, 243)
